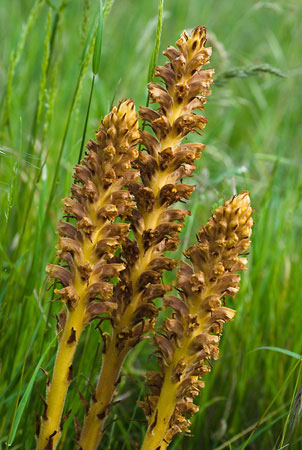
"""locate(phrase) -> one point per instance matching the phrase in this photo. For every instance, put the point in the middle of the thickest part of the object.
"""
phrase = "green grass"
(253, 142)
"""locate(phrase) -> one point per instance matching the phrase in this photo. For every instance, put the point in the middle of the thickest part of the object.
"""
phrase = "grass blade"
(86, 119)
(107, 8)
(27, 393)
(15, 57)
(280, 350)
(154, 56)
(45, 65)
(83, 68)
(271, 403)
(96, 60)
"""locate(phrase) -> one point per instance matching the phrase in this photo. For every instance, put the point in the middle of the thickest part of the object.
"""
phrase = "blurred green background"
(253, 139)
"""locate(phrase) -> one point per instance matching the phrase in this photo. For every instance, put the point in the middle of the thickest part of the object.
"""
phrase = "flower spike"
(191, 334)
(87, 248)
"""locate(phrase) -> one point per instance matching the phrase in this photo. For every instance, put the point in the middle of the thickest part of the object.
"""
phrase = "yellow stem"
(112, 362)
(159, 423)
(61, 378)
(62, 374)
(94, 421)
(163, 445)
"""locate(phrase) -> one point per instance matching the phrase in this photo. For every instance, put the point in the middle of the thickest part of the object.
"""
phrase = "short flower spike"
(190, 336)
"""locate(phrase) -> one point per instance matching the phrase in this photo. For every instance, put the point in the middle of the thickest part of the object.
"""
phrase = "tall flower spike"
(97, 199)
(163, 164)
(191, 334)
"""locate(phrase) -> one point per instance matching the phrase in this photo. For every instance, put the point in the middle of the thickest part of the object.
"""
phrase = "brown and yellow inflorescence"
(113, 255)
(191, 334)
(87, 248)
(162, 163)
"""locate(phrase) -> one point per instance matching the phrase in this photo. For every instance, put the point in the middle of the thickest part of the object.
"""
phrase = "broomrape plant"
(88, 248)
(114, 275)
(191, 333)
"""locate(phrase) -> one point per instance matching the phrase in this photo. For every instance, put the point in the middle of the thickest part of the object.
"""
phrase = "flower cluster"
(122, 221)
(190, 335)
(87, 248)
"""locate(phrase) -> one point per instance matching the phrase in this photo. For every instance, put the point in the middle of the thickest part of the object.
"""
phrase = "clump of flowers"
(122, 186)
(87, 248)
(190, 335)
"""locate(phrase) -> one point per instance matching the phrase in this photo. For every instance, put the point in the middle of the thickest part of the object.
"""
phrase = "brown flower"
(190, 336)
(88, 246)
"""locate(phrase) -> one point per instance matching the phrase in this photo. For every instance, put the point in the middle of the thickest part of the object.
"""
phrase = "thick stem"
(164, 445)
(62, 376)
(112, 362)
(160, 421)
(100, 405)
